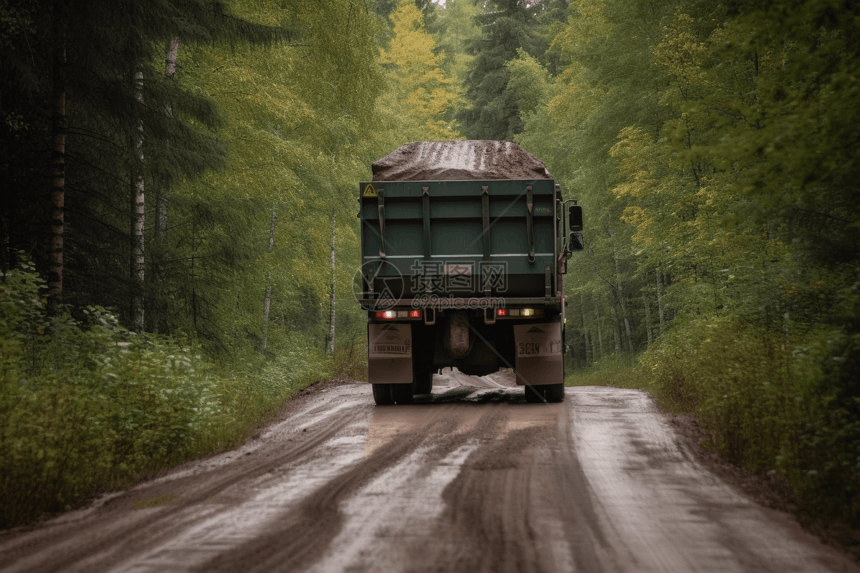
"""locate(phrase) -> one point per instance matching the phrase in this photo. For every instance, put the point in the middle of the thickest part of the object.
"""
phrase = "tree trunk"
(617, 339)
(193, 274)
(267, 302)
(138, 217)
(599, 329)
(160, 197)
(58, 157)
(647, 318)
(170, 59)
(332, 288)
(623, 304)
(658, 273)
(584, 330)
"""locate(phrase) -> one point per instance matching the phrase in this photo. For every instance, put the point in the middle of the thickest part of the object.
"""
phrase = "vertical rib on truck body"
(463, 254)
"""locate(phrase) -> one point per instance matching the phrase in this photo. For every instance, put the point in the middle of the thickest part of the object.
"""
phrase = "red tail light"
(414, 314)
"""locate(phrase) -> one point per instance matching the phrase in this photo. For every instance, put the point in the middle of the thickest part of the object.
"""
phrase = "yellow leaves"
(643, 221)
(589, 24)
(680, 50)
(635, 163)
(423, 94)
(632, 139)
(709, 195)
(412, 47)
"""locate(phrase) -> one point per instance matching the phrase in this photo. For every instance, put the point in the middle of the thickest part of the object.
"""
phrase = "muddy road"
(469, 479)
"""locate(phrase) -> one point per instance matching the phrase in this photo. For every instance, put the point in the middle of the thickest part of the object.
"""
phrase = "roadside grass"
(616, 370)
(767, 401)
(86, 406)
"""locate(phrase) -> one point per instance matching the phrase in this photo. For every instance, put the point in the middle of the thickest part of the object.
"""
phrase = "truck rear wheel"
(554, 392)
(544, 393)
(423, 381)
(382, 394)
(534, 394)
(401, 393)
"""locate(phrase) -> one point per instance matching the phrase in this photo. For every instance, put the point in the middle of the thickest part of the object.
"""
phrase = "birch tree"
(332, 285)
(138, 217)
(267, 301)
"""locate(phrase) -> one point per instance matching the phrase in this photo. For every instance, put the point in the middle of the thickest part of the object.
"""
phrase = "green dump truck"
(464, 245)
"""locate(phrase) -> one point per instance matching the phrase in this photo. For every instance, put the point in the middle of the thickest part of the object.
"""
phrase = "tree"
(456, 29)
(298, 131)
(424, 95)
(506, 26)
(103, 107)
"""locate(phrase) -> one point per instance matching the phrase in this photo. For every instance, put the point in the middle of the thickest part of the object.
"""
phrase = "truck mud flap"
(389, 353)
(538, 354)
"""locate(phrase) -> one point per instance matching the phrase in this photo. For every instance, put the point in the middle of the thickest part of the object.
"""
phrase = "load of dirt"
(459, 161)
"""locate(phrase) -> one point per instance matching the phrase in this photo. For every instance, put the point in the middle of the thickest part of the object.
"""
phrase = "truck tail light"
(392, 314)
(519, 312)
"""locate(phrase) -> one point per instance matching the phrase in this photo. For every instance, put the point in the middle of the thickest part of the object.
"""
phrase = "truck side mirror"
(574, 217)
(575, 240)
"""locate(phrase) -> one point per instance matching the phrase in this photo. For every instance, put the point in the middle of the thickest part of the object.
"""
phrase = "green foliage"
(421, 92)
(300, 133)
(761, 398)
(709, 145)
(505, 28)
(610, 370)
(456, 29)
(87, 404)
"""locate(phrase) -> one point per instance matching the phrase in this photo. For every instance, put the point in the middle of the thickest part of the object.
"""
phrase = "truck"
(464, 248)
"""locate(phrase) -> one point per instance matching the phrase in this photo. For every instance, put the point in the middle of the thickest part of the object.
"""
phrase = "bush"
(86, 404)
(768, 401)
(610, 370)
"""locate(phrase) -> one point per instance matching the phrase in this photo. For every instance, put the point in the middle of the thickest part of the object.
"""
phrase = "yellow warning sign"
(369, 191)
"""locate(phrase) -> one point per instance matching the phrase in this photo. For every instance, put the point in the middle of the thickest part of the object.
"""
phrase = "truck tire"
(423, 381)
(554, 392)
(534, 394)
(544, 393)
(382, 394)
(401, 393)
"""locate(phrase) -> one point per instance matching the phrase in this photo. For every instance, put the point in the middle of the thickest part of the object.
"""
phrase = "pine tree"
(106, 50)
(506, 26)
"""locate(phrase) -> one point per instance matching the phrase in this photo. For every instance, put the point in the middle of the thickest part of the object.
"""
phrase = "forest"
(179, 196)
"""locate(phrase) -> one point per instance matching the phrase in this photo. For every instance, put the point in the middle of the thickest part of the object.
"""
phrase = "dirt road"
(471, 479)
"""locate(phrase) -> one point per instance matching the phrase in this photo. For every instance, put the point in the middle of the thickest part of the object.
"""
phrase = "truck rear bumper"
(402, 353)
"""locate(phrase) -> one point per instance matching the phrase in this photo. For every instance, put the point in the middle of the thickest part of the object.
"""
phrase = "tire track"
(99, 543)
(485, 526)
(307, 531)
(581, 524)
